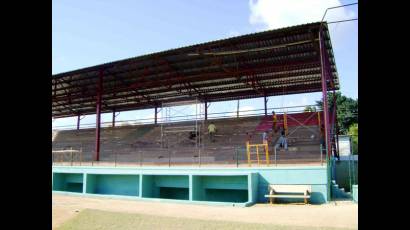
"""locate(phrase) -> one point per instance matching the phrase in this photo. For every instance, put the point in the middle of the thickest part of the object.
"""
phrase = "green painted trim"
(193, 168)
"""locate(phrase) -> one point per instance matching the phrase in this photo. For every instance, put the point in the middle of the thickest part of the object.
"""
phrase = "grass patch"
(102, 220)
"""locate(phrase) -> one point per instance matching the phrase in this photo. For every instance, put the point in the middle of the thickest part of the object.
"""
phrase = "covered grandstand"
(285, 61)
(291, 60)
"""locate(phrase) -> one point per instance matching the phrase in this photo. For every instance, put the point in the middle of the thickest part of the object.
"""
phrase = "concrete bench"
(288, 191)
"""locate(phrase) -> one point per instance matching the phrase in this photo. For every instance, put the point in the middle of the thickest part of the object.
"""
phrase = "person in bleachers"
(212, 131)
(275, 121)
(248, 137)
(193, 135)
(264, 137)
(282, 142)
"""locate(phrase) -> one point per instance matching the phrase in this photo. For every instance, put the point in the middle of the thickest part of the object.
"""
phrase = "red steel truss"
(275, 62)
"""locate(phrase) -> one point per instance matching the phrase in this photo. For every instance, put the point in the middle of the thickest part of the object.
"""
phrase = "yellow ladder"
(248, 151)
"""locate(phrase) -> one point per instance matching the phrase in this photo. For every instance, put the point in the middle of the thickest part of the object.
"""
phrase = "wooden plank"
(288, 196)
(290, 188)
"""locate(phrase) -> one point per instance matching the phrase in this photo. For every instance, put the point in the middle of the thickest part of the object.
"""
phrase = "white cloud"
(272, 14)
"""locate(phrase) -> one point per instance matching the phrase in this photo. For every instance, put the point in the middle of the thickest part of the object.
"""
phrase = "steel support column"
(206, 110)
(113, 118)
(265, 102)
(98, 116)
(237, 110)
(155, 115)
(336, 124)
(324, 92)
(78, 122)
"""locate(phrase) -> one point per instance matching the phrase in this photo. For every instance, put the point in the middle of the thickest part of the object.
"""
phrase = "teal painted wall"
(127, 185)
(69, 182)
(196, 184)
(225, 182)
(316, 177)
(226, 195)
(166, 186)
(58, 181)
(253, 185)
(174, 181)
(198, 193)
(90, 183)
(147, 186)
(221, 188)
(173, 193)
(342, 174)
(356, 193)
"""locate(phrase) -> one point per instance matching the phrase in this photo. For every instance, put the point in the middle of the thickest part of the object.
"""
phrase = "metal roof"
(275, 62)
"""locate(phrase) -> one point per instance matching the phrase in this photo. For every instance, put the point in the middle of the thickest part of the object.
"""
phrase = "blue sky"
(87, 33)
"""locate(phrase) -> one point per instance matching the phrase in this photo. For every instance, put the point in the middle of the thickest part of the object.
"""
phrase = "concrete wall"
(356, 193)
(127, 185)
(342, 173)
(227, 185)
(314, 176)
(165, 186)
(69, 182)
(221, 188)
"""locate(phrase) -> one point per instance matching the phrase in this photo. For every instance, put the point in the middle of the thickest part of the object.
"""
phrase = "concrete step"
(339, 193)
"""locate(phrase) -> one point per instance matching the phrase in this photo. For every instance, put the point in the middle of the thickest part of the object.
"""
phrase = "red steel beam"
(113, 118)
(336, 123)
(271, 38)
(98, 116)
(295, 64)
(255, 59)
(324, 94)
(116, 102)
(200, 77)
(225, 97)
(269, 92)
(308, 83)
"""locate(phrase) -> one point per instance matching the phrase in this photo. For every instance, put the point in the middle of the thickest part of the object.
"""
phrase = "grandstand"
(291, 60)
(142, 143)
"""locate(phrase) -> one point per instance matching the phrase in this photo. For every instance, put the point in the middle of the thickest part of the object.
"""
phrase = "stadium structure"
(172, 157)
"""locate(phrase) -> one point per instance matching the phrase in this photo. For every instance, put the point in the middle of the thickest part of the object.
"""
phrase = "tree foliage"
(347, 110)
(310, 108)
(353, 132)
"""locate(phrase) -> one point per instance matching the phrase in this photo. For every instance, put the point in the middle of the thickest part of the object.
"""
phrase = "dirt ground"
(335, 214)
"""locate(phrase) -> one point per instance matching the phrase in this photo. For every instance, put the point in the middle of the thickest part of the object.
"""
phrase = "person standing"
(212, 131)
(264, 137)
(282, 142)
(274, 122)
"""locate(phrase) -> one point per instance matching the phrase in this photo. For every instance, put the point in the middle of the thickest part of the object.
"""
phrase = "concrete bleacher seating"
(142, 143)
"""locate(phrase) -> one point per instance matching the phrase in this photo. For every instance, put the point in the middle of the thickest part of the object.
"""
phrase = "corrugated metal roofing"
(274, 62)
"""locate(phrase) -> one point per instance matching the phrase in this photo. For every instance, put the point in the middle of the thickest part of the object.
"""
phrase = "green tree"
(353, 132)
(310, 108)
(347, 110)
